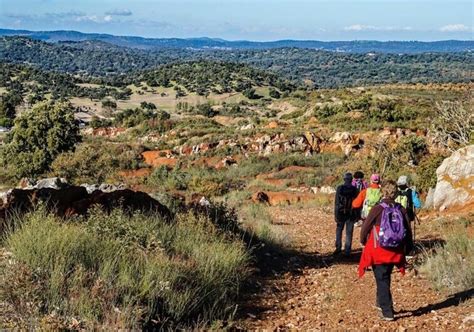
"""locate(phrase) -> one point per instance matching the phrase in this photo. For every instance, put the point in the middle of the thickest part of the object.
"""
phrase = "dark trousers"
(383, 274)
(349, 224)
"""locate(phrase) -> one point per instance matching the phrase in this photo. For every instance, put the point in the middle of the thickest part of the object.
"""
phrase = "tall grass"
(129, 271)
(451, 266)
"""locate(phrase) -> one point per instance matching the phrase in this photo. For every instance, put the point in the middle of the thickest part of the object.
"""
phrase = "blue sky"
(249, 19)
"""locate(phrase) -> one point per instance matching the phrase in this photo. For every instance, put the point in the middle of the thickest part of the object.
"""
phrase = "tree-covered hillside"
(323, 68)
(203, 77)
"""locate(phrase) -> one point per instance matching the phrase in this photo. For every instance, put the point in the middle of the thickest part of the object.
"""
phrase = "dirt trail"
(309, 289)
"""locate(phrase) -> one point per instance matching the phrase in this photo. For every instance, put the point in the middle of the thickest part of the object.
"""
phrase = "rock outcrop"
(68, 200)
(455, 184)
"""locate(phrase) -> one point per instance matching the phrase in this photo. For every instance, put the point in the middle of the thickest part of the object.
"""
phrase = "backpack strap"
(376, 238)
(384, 205)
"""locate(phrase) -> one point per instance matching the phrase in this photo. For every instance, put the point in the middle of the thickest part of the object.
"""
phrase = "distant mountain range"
(362, 46)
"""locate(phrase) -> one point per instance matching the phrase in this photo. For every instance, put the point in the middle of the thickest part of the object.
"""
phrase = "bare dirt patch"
(307, 288)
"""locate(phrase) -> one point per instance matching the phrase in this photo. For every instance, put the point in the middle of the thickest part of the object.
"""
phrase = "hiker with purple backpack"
(387, 239)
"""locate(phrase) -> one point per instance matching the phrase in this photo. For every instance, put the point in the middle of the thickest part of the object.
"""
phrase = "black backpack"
(409, 202)
(345, 197)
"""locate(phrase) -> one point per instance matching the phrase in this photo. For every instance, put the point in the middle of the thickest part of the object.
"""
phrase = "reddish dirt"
(307, 288)
(159, 158)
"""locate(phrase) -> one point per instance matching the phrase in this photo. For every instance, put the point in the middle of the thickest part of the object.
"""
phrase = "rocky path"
(308, 289)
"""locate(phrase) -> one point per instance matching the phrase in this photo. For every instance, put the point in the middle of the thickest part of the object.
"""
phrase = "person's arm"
(415, 199)
(359, 200)
(336, 204)
(368, 223)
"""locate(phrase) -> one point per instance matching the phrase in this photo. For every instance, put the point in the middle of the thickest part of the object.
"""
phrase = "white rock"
(53, 183)
(429, 199)
(327, 190)
(455, 183)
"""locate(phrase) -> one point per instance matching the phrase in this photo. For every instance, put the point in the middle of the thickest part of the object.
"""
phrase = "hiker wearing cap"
(387, 238)
(407, 197)
(367, 198)
(344, 214)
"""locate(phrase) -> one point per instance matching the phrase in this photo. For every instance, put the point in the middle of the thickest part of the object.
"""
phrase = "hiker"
(360, 184)
(359, 181)
(387, 238)
(344, 214)
(367, 198)
(407, 197)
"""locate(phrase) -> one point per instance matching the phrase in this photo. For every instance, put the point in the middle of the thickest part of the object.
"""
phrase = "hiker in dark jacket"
(382, 259)
(345, 215)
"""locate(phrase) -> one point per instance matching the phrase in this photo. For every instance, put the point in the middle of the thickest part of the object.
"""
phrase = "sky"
(260, 20)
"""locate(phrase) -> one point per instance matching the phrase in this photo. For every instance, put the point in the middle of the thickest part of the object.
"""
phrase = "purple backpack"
(392, 228)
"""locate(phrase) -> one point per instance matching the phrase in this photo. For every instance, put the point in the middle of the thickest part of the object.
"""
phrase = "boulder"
(455, 180)
(126, 199)
(108, 188)
(249, 126)
(52, 183)
(323, 190)
(429, 199)
(341, 137)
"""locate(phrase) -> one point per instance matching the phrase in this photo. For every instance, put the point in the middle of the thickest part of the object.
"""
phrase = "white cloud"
(454, 28)
(119, 12)
(362, 27)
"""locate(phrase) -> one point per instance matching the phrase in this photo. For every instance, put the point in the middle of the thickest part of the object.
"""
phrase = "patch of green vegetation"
(129, 272)
(451, 266)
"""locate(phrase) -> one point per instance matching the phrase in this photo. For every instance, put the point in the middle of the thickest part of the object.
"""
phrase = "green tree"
(38, 136)
(274, 93)
(7, 113)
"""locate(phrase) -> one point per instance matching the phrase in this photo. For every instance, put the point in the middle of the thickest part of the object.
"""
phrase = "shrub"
(451, 266)
(133, 117)
(426, 172)
(274, 93)
(96, 162)
(412, 148)
(97, 122)
(131, 271)
(38, 136)
(453, 124)
(167, 179)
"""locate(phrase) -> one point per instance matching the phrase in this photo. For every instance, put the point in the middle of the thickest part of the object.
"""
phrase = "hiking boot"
(387, 317)
(336, 252)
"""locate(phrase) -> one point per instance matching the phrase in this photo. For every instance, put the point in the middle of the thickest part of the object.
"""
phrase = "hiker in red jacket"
(380, 258)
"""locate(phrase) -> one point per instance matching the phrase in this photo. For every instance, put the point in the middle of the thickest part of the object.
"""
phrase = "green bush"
(38, 136)
(130, 271)
(426, 172)
(95, 162)
(451, 266)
